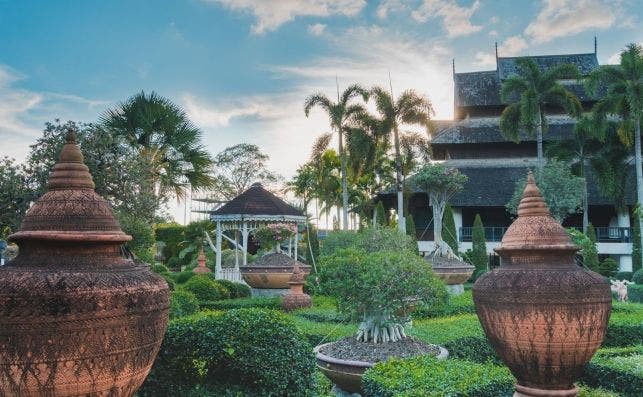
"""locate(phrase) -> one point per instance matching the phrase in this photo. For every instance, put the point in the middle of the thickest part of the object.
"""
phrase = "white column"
(218, 269)
(244, 237)
(457, 219)
(290, 246)
(623, 220)
(236, 248)
(296, 241)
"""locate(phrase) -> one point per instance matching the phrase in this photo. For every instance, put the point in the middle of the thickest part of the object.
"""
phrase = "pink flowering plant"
(273, 234)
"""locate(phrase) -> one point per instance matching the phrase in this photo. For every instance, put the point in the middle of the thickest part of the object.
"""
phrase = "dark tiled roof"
(257, 201)
(584, 62)
(494, 187)
(477, 89)
(487, 130)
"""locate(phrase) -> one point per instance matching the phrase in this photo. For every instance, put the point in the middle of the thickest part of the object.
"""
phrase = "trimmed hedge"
(318, 333)
(637, 277)
(237, 290)
(206, 289)
(624, 329)
(242, 303)
(456, 304)
(183, 303)
(623, 276)
(426, 376)
(473, 348)
(635, 293)
(619, 370)
(252, 351)
(445, 329)
(183, 277)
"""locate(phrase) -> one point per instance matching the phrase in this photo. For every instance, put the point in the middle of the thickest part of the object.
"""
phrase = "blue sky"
(242, 68)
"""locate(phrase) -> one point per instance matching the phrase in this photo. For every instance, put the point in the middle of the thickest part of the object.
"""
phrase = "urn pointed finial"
(532, 202)
(70, 172)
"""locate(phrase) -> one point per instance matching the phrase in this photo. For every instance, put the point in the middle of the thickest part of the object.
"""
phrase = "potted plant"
(377, 289)
(274, 269)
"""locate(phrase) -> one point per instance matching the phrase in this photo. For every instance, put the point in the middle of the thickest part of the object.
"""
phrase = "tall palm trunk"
(401, 224)
(639, 173)
(585, 199)
(539, 143)
(342, 157)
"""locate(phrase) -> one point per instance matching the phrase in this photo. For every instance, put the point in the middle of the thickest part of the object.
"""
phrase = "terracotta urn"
(544, 315)
(76, 318)
(296, 298)
(201, 267)
(271, 271)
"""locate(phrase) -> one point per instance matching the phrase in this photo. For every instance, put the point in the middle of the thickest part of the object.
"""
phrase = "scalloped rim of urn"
(352, 380)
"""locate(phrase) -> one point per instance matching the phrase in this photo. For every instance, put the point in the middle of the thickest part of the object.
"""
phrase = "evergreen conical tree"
(448, 229)
(479, 256)
(590, 253)
(410, 230)
(636, 243)
(380, 214)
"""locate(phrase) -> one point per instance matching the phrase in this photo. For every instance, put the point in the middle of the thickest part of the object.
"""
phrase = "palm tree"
(410, 108)
(623, 98)
(339, 113)
(529, 93)
(303, 184)
(578, 151)
(166, 140)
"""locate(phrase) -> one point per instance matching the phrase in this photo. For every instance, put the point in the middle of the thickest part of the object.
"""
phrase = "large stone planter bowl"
(453, 272)
(271, 271)
(347, 374)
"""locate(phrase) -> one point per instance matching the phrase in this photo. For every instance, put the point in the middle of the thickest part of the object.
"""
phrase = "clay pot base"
(523, 391)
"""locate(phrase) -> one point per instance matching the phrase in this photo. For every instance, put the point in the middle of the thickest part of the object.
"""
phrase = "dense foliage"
(255, 351)
(206, 289)
(183, 303)
(617, 369)
(478, 256)
(370, 239)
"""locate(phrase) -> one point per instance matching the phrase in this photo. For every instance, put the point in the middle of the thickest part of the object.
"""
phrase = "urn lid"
(70, 210)
(534, 228)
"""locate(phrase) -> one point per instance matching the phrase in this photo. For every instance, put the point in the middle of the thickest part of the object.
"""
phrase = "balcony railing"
(603, 234)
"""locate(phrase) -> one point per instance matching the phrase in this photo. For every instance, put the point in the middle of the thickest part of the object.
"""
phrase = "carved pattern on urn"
(544, 315)
(76, 318)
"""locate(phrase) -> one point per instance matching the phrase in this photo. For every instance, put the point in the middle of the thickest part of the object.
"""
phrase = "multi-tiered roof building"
(473, 143)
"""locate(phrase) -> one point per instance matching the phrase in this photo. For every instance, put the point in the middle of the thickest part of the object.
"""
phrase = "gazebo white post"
(290, 246)
(296, 240)
(217, 269)
(244, 237)
(236, 247)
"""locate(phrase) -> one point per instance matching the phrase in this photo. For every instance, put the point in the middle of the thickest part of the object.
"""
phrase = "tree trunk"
(539, 143)
(401, 224)
(342, 157)
(639, 174)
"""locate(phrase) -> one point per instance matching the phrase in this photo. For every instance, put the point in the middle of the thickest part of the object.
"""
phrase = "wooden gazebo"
(248, 211)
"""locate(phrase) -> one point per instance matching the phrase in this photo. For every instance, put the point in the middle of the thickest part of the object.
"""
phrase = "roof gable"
(257, 201)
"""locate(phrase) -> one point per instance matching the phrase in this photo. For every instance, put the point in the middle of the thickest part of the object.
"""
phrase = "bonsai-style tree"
(449, 233)
(440, 183)
(380, 288)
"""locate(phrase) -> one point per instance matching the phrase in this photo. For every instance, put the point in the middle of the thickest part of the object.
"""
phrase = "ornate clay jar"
(201, 267)
(296, 298)
(76, 318)
(544, 315)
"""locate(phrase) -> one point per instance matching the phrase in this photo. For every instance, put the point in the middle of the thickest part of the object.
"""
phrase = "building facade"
(473, 144)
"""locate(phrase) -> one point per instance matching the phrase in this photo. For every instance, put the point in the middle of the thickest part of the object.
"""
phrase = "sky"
(242, 69)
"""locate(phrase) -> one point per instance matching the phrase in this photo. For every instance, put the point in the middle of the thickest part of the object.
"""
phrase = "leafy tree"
(411, 231)
(339, 114)
(15, 196)
(302, 185)
(562, 190)
(529, 93)
(312, 244)
(409, 108)
(478, 255)
(142, 244)
(578, 151)
(624, 98)
(590, 253)
(440, 183)
(167, 142)
(380, 214)
(448, 229)
(238, 167)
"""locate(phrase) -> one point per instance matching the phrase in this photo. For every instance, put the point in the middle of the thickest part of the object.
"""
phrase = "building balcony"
(603, 234)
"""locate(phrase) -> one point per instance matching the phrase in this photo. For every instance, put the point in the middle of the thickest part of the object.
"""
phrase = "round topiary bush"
(637, 277)
(206, 289)
(182, 277)
(183, 303)
(623, 276)
(159, 268)
(237, 290)
(257, 352)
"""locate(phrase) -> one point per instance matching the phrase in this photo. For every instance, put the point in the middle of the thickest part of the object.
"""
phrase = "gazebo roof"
(257, 203)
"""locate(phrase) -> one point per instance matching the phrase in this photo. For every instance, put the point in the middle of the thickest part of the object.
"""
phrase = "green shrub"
(172, 234)
(158, 268)
(372, 239)
(183, 303)
(142, 243)
(479, 257)
(473, 348)
(183, 277)
(169, 280)
(242, 303)
(322, 315)
(236, 290)
(380, 214)
(336, 240)
(174, 263)
(624, 329)
(456, 304)
(635, 293)
(444, 329)
(251, 351)
(426, 376)
(607, 267)
(206, 289)
(637, 277)
(587, 392)
(618, 370)
(623, 275)
(318, 333)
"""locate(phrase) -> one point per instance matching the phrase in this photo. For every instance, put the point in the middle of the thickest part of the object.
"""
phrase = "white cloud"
(317, 29)
(456, 19)
(512, 46)
(270, 15)
(560, 18)
(388, 6)
(493, 33)
(15, 103)
(484, 59)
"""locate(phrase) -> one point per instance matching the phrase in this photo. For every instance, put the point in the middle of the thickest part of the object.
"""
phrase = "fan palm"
(339, 113)
(410, 108)
(166, 140)
(623, 98)
(529, 93)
